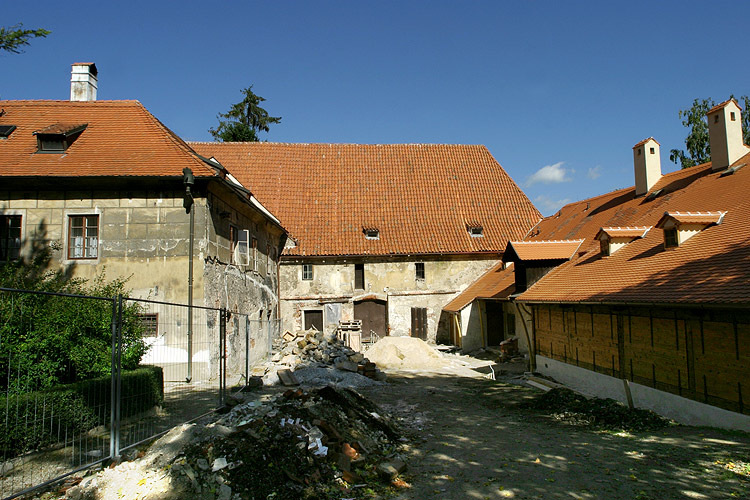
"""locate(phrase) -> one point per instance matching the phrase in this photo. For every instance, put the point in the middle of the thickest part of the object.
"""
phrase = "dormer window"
(57, 138)
(678, 227)
(476, 231)
(670, 237)
(372, 233)
(612, 239)
(6, 130)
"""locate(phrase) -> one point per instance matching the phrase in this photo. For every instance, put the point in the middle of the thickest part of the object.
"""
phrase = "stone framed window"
(83, 236)
(10, 237)
(419, 271)
(307, 272)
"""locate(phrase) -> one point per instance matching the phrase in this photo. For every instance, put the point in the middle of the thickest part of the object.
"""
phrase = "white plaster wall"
(471, 330)
(683, 410)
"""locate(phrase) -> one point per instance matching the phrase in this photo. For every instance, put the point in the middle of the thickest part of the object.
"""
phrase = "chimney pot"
(725, 135)
(83, 82)
(647, 165)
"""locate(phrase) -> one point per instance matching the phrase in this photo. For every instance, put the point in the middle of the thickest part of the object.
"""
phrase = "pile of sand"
(404, 353)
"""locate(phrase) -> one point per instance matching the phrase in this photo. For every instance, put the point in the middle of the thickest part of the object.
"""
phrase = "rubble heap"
(313, 349)
(318, 444)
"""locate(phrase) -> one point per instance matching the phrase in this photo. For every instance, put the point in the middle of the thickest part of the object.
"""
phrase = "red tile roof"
(711, 267)
(497, 283)
(421, 197)
(623, 232)
(121, 139)
(692, 218)
(644, 141)
(544, 250)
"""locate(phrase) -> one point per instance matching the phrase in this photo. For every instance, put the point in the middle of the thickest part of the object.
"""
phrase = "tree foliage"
(697, 141)
(244, 120)
(14, 37)
(46, 340)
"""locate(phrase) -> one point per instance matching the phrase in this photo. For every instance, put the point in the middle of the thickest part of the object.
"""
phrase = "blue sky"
(558, 91)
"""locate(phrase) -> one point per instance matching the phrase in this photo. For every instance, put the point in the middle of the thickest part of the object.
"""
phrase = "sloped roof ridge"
(627, 227)
(677, 212)
(338, 143)
(547, 241)
(722, 104)
(176, 140)
(644, 141)
(73, 103)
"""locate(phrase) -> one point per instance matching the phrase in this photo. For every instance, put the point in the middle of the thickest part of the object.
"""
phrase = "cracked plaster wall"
(393, 280)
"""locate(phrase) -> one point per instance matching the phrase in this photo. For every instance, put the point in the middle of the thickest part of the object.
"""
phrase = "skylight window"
(6, 130)
(476, 231)
(372, 233)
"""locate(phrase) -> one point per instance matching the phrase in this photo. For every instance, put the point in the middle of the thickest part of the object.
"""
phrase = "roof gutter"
(691, 305)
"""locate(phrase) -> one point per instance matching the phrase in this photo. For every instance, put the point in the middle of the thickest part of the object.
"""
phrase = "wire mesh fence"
(85, 378)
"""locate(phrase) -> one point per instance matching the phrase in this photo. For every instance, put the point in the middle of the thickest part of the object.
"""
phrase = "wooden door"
(314, 319)
(373, 316)
(419, 322)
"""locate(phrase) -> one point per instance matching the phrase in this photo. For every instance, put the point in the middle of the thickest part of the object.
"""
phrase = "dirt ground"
(473, 440)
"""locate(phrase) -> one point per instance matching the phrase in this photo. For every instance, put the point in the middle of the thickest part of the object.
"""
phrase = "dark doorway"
(495, 322)
(419, 322)
(373, 316)
(314, 319)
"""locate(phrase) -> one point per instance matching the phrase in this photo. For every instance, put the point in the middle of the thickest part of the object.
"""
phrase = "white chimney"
(83, 82)
(647, 165)
(725, 134)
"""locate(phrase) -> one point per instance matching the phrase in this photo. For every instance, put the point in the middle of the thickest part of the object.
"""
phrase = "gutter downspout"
(529, 343)
(189, 181)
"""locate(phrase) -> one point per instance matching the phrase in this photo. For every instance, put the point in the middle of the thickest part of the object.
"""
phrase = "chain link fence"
(56, 421)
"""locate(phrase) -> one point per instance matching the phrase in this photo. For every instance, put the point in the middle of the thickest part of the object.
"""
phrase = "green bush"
(38, 419)
(48, 340)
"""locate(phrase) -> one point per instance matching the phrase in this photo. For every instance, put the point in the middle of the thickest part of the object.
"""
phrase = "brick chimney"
(647, 165)
(83, 82)
(725, 134)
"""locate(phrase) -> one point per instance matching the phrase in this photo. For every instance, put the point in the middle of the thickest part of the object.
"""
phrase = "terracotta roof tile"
(644, 141)
(121, 139)
(420, 197)
(497, 283)
(623, 232)
(692, 218)
(545, 249)
(711, 267)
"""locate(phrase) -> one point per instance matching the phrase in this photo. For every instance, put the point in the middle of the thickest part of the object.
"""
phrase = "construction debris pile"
(324, 443)
(570, 407)
(312, 358)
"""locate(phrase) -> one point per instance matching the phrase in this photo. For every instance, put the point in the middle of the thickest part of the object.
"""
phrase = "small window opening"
(359, 276)
(476, 231)
(149, 325)
(639, 151)
(604, 245)
(670, 237)
(731, 116)
(652, 151)
(372, 234)
(716, 118)
(307, 272)
(419, 270)
(57, 138)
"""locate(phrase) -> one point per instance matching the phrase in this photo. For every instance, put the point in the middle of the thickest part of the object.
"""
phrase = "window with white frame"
(240, 246)
(83, 236)
(307, 272)
(255, 254)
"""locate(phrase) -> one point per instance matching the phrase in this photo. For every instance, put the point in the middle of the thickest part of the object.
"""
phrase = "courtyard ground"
(472, 438)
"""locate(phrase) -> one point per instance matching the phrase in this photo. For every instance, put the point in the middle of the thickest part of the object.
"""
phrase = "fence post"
(116, 396)
(247, 350)
(222, 354)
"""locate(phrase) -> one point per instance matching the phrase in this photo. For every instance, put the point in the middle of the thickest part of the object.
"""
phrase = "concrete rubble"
(302, 444)
(317, 359)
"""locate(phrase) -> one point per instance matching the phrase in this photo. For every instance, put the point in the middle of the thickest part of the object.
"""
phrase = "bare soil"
(473, 438)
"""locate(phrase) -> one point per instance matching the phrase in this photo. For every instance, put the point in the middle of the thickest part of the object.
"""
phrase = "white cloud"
(594, 172)
(548, 205)
(551, 174)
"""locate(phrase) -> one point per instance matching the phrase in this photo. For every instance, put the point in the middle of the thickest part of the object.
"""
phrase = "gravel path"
(472, 440)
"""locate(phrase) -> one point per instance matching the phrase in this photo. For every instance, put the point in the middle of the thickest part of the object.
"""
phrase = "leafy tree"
(697, 141)
(244, 120)
(15, 37)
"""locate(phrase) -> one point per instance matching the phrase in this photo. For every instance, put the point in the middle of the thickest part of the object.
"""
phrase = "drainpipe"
(189, 181)
(529, 343)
